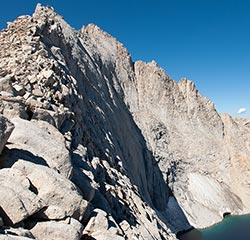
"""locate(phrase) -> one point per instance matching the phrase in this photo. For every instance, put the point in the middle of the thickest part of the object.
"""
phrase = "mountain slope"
(184, 132)
(102, 146)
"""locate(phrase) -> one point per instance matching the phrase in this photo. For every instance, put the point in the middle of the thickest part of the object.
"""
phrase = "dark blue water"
(231, 228)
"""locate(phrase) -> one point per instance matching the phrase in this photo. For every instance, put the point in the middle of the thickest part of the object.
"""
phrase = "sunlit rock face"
(194, 146)
(203, 155)
(104, 147)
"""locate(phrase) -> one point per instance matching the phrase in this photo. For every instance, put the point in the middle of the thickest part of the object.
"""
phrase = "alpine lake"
(231, 228)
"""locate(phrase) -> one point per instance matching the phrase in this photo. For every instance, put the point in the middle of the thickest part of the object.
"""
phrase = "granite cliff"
(95, 146)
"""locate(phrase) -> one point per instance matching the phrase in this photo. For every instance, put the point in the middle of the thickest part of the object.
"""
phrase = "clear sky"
(206, 41)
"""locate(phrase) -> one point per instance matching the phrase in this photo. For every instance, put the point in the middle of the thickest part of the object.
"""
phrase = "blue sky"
(206, 41)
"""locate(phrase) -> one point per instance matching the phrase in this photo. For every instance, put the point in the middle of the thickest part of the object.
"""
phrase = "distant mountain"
(95, 146)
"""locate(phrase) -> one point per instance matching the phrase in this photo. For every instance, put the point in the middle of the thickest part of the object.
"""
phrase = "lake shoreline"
(217, 230)
(227, 216)
(230, 228)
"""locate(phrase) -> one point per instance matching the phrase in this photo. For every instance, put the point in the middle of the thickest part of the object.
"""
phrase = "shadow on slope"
(11, 155)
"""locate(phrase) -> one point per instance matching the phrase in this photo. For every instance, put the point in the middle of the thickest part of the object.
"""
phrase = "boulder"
(59, 194)
(52, 230)
(51, 145)
(5, 84)
(44, 115)
(6, 128)
(17, 201)
(12, 106)
(102, 227)
(19, 89)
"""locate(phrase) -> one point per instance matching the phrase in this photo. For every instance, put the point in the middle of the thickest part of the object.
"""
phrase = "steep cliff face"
(190, 141)
(102, 146)
(187, 137)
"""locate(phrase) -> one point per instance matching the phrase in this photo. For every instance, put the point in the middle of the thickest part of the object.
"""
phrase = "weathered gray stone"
(51, 145)
(32, 103)
(101, 226)
(37, 92)
(6, 94)
(67, 229)
(5, 84)
(13, 237)
(19, 90)
(53, 212)
(6, 128)
(59, 194)
(20, 232)
(44, 115)
(17, 201)
(12, 106)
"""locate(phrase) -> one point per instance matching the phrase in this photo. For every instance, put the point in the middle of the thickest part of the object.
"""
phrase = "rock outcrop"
(6, 127)
(105, 148)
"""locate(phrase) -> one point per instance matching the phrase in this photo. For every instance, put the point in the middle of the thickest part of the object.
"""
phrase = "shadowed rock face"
(103, 146)
(6, 127)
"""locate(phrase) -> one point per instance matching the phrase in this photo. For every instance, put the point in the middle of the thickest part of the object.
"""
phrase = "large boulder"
(43, 140)
(58, 230)
(102, 227)
(60, 195)
(5, 84)
(6, 127)
(17, 201)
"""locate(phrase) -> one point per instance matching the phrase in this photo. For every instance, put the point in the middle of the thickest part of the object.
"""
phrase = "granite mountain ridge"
(95, 146)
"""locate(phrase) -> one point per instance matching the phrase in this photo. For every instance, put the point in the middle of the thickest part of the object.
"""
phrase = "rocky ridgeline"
(94, 146)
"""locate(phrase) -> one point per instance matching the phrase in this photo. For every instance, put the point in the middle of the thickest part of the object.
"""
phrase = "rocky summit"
(96, 146)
